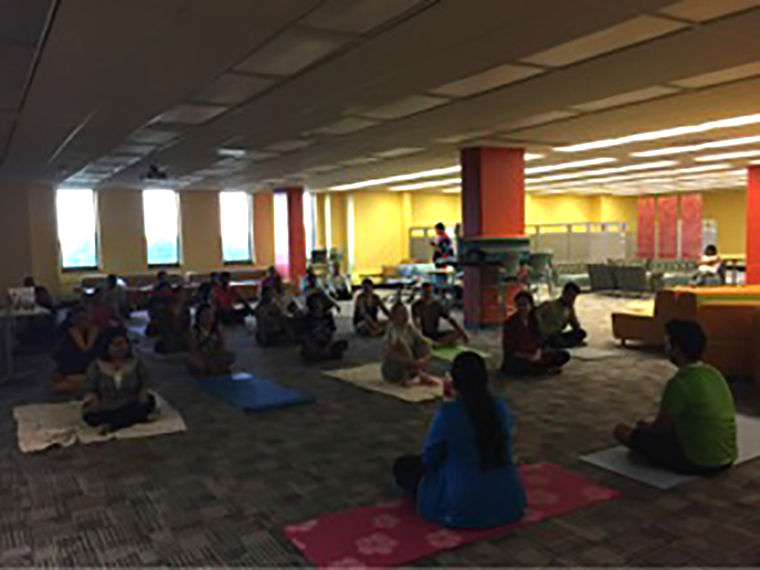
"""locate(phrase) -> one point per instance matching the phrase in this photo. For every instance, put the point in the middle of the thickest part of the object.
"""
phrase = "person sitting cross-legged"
(427, 313)
(523, 354)
(225, 299)
(367, 307)
(405, 351)
(77, 348)
(209, 354)
(317, 343)
(466, 476)
(695, 429)
(116, 390)
(274, 323)
(553, 317)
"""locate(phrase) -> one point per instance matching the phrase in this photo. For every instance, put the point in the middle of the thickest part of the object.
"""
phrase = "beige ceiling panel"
(405, 107)
(290, 52)
(356, 16)
(702, 10)
(626, 98)
(233, 89)
(722, 76)
(256, 155)
(361, 160)
(486, 80)
(288, 146)
(628, 33)
(396, 152)
(153, 136)
(539, 119)
(190, 114)
(22, 21)
(345, 126)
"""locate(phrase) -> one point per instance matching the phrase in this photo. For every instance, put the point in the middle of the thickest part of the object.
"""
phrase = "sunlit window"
(161, 214)
(77, 228)
(235, 210)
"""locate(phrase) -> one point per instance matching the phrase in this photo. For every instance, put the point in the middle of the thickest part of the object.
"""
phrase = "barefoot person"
(554, 317)
(523, 354)
(428, 312)
(695, 429)
(209, 354)
(367, 308)
(405, 351)
(116, 389)
(465, 477)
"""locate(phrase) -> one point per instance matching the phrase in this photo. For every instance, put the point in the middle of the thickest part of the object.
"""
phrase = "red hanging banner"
(667, 218)
(691, 226)
(645, 232)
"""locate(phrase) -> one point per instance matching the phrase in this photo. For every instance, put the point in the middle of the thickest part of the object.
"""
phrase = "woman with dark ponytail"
(465, 477)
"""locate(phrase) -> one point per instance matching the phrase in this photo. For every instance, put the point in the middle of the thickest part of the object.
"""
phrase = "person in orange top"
(225, 300)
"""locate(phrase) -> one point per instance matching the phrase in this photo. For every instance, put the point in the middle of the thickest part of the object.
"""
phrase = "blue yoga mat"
(241, 391)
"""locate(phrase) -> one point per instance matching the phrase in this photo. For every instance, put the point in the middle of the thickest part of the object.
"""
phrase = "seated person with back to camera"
(317, 342)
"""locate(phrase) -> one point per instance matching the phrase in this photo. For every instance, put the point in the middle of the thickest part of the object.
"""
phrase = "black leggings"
(550, 360)
(408, 471)
(666, 452)
(124, 416)
(569, 339)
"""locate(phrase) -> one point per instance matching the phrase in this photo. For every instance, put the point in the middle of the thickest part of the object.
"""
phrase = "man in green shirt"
(695, 430)
(553, 317)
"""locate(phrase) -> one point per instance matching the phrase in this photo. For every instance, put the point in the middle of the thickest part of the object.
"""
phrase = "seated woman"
(174, 328)
(523, 354)
(317, 342)
(158, 302)
(273, 323)
(405, 351)
(208, 352)
(710, 270)
(366, 308)
(104, 315)
(116, 390)
(226, 299)
(695, 429)
(78, 347)
(428, 312)
(338, 285)
(465, 477)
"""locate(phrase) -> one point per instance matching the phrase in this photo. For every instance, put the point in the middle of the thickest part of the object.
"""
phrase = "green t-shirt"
(701, 404)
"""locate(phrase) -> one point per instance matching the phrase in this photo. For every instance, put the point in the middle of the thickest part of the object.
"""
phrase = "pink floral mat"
(392, 534)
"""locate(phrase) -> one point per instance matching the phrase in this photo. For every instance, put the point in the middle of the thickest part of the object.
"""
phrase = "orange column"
(753, 225)
(289, 233)
(493, 205)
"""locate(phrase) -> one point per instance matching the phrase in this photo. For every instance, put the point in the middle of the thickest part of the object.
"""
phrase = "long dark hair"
(532, 319)
(471, 382)
(110, 335)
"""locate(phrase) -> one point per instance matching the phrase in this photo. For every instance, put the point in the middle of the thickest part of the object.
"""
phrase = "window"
(161, 214)
(235, 210)
(77, 228)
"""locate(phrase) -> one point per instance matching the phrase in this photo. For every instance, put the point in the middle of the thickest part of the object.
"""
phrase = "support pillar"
(289, 233)
(493, 205)
(753, 225)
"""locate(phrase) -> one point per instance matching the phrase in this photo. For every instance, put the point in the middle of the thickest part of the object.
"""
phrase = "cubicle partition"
(584, 242)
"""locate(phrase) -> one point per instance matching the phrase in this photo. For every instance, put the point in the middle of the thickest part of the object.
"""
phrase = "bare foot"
(622, 433)
(427, 380)
(104, 429)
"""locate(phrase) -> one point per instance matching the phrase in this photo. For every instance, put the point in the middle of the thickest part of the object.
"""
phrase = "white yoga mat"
(46, 425)
(618, 459)
(369, 377)
(593, 353)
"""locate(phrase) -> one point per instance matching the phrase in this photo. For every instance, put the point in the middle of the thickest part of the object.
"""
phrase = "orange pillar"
(493, 205)
(753, 225)
(289, 233)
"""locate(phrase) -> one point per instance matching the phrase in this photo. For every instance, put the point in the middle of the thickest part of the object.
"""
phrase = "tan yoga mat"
(369, 377)
(41, 426)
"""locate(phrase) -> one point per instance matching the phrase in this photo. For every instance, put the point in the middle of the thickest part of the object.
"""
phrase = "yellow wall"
(561, 209)
(620, 209)
(379, 232)
(122, 239)
(319, 221)
(338, 219)
(429, 209)
(263, 228)
(201, 230)
(16, 230)
(728, 208)
(44, 236)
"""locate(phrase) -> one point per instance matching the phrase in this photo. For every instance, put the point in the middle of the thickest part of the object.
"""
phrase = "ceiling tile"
(628, 33)
(22, 21)
(461, 137)
(290, 52)
(287, 146)
(486, 80)
(702, 10)
(256, 155)
(405, 107)
(190, 114)
(356, 16)
(722, 76)
(154, 136)
(233, 89)
(361, 160)
(345, 126)
(626, 98)
(134, 149)
(396, 152)
(539, 119)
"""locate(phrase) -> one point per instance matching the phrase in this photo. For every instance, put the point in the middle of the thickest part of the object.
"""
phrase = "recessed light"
(727, 156)
(231, 152)
(664, 133)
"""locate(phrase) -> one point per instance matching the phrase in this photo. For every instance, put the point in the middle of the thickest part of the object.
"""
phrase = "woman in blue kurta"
(465, 477)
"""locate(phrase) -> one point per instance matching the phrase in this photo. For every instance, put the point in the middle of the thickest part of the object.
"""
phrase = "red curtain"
(691, 226)
(667, 218)
(645, 233)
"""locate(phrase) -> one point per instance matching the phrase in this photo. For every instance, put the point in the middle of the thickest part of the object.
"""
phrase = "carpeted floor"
(220, 493)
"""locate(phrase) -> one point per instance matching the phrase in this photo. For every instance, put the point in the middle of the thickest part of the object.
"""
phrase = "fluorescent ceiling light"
(603, 171)
(231, 152)
(728, 155)
(698, 147)
(452, 190)
(423, 185)
(568, 165)
(664, 133)
(398, 178)
(530, 156)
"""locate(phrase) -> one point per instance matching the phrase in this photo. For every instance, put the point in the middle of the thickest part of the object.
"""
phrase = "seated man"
(555, 316)
(367, 307)
(273, 319)
(695, 430)
(317, 342)
(225, 298)
(158, 302)
(427, 313)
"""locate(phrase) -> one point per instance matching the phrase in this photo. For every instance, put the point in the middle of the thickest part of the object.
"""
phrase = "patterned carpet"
(219, 494)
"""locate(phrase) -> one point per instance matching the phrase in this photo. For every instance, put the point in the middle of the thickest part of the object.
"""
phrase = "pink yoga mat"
(392, 534)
